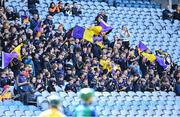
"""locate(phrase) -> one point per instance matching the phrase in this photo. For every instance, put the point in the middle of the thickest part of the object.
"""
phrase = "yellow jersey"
(53, 112)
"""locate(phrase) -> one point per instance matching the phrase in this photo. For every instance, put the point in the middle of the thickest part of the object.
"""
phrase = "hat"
(86, 93)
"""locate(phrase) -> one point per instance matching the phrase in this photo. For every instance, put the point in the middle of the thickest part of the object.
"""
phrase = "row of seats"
(10, 108)
(121, 104)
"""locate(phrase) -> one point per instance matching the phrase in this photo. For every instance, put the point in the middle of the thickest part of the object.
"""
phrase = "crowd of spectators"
(66, 9)
(51, 61)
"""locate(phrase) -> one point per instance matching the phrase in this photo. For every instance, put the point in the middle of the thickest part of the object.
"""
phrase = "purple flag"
(161, 62)
(97, 38)
(38, 27)
(142, 46)
(7, 58)
(105, 27)
(78, 32)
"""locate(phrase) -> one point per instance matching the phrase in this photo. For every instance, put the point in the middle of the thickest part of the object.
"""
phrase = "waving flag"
(7, 58)
(106, 64)
(78, 32)
(92, 34)
(150, 57)
(161, 62)
(24, 19)
(38, 30)
(142, 47)
(161, 52)
(86, 34)
(105, 27)
(18, 51)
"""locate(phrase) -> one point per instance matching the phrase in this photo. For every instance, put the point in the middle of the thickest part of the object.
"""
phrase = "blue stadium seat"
(9, 113)
(124, 112)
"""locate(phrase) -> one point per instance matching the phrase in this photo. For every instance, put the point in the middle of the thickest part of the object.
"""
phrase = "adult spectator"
(101, 15)
(167, 14)
(53, 9)
(76, 11)
(32, 6)
(60, 6)
(67, 9)
(23, 87)
(176, 15)
(125, 36)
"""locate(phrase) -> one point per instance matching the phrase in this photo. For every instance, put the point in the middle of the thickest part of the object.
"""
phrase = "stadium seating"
(10, 108)
(143, 23)
(143, 19)
(123, 103)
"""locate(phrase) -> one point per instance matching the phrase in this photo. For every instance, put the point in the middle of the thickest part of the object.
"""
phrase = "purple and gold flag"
(105, 27)
(78, 32)
(142, 46)
(24, 19)
(18, 51)
(161, 62)
(97, 38)
(7, 58)
(37, 29)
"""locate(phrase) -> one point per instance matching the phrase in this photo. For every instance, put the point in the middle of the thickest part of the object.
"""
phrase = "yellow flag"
(95, 29)
(100, 44)
(150, 57)
(105, 65)
(88, 35)
(18, 51)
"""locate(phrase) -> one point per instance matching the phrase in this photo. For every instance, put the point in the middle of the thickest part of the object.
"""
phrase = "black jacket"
(166, 15)
(176, 16)
(32, 4)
